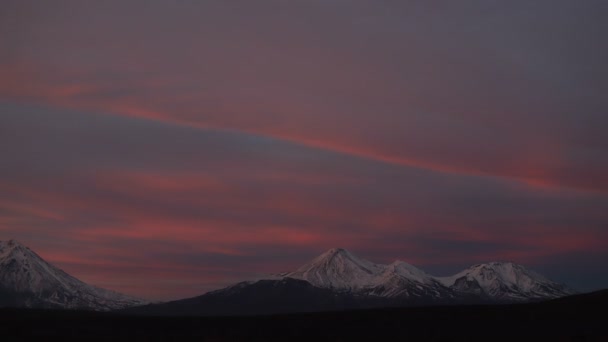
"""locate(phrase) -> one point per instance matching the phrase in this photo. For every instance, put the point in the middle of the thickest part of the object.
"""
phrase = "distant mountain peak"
(333, 252)
(505, 280)
(13, 248)
(407, 270)
(506, 270)
(338, 268)
(11, 244)
(496, 264)
(340, 257)
(30, 281)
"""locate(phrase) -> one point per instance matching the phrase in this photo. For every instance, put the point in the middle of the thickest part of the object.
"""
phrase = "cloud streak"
(541, 164)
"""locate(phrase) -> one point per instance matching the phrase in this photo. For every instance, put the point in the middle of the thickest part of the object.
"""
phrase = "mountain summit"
(340, 269)
(26, 280)
(505, 281)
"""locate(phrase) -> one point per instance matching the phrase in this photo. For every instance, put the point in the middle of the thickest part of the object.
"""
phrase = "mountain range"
(499, 281)
(339, 280)
(335, 280)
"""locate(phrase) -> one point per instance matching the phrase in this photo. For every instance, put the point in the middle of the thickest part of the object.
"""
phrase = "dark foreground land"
(576, 318)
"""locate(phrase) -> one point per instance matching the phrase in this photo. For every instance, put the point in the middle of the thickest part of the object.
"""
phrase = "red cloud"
(540, 165)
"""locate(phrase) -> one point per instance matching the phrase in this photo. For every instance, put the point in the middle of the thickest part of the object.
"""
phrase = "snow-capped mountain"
(26, 280)
(341, 270)
(339, 280)
(402, 280)
(505, 281)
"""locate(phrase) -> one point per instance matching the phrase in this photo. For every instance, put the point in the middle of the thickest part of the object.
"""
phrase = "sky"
(167, 148)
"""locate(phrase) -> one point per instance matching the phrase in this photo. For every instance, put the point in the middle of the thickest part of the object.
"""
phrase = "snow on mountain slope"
(405, 270)
(338, 280)
(403, 280)
(505, 281)
(32, 282)
(338, 268)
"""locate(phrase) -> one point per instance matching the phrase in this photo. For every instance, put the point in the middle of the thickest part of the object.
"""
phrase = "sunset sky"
(167, 148)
